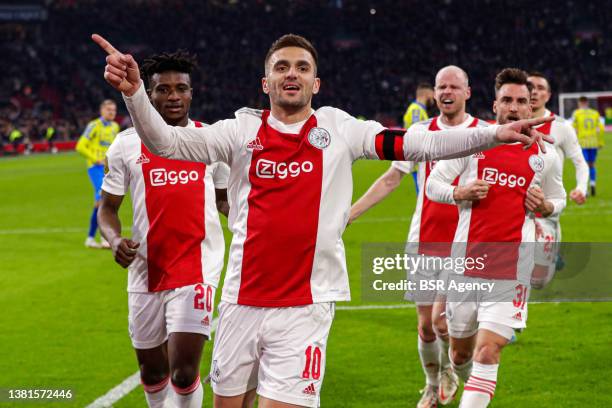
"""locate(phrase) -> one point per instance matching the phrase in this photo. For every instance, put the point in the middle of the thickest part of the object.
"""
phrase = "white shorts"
(506, 306)
(430, 283)
(279, 351)
(154, 315)
(547, 245)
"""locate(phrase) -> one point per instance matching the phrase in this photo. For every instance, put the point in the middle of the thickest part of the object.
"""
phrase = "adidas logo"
(310, 390)
(479, 155)
(518, 316)
(142, 159)
(205, 321)
(254, 144)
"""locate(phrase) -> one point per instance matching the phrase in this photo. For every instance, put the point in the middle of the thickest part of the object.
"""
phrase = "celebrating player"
(291, 188)
(590, 130)
(431, 223)
(417, 112)
(175, 255)
(93, 144)
(497, 190)
(566, 144)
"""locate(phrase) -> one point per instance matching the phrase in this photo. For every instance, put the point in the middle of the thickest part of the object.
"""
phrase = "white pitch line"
(130, 383)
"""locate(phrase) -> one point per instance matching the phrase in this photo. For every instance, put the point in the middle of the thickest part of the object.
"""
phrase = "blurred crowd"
(372, 53)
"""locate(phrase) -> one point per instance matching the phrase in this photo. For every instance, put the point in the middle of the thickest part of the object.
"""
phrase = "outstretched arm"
(424, 145)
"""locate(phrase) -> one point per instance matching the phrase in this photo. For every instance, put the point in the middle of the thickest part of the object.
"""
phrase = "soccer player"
(566, 144)
(417, 112)
(93, 144)
(290, 190)
(497, 192)
(175, 255)
(590, 130)
(431, 223)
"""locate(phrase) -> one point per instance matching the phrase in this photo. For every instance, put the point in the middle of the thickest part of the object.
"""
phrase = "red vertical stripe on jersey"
(174, 198)
(438, 221)
(286, 183)
(496, 223)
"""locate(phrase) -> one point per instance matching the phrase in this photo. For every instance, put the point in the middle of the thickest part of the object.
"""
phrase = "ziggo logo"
(494, 176)
(269, 169)
(161, 177)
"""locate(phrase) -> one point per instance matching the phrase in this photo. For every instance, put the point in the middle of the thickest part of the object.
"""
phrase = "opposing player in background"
(502, 187)
(175, 255)
(566, 144)
(93, 144)
(590, 130)
(287, 162)
(417, 112)
(434, 224)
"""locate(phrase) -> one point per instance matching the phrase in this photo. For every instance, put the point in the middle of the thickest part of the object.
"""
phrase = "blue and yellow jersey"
(415, 113)
(589, 128)
(96, 139)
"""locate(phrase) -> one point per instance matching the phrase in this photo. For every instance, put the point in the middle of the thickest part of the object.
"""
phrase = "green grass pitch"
(64, 307)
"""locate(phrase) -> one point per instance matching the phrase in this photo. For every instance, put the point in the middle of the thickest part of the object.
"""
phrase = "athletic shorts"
(154, 315)
(279, 351)
(429, 282)
(590, 154)
(506, 305)
(96, 175)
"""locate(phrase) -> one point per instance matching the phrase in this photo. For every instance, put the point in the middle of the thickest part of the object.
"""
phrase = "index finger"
(105, 45)
(538, 121)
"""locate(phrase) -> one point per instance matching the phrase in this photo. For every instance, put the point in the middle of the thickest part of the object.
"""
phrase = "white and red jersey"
(567, 146)
(495, 227)
(433, 222)
(290, 191)
(175, 214)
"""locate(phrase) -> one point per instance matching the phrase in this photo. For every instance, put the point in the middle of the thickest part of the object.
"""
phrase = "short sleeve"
(116, 177)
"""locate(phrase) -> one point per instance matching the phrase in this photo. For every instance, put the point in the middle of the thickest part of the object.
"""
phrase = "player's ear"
(316, 86)
(468, 93)
(264, 85)
(495, 107)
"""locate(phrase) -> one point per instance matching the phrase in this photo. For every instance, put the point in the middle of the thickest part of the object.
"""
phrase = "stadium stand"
(372, 53)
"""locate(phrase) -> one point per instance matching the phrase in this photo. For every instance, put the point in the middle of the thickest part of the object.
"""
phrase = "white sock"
(429, 354)
(480, 388)
(156, 394)
(463, 371)
(190, 397)
(444, 360)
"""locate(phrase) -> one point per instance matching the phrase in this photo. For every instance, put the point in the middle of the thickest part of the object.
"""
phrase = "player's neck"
(179, 122)
(540, 112)
(421, 101)
(289, 116)
(453, 120)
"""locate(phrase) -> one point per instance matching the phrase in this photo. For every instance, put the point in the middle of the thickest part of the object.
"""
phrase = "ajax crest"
(536, 163)
(319, 138)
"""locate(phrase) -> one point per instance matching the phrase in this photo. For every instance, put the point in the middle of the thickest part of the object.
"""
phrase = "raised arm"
(208, 144)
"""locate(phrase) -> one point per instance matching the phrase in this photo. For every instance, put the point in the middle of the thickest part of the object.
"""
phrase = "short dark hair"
(512, 76)
(583, 99)
(179, 61)
(424, 85)
(293, 40)
(107, 102)
(538, 74)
